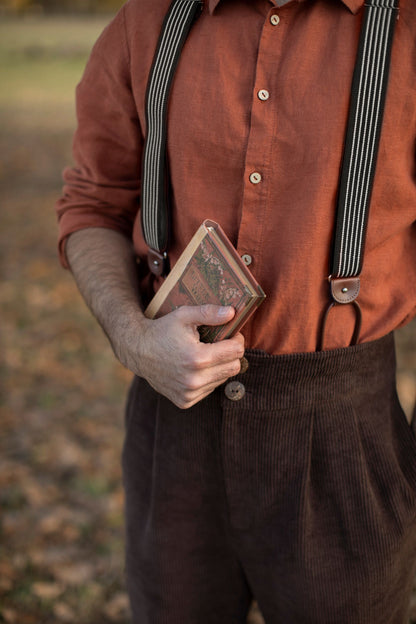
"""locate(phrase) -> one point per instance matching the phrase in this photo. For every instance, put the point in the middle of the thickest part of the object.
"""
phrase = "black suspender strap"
(155, 182)
(368, 94)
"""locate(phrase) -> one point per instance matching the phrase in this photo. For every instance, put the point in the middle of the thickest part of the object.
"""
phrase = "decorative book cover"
(209, 271)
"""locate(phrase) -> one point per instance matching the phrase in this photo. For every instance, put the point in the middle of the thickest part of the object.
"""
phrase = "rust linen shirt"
(260, 88)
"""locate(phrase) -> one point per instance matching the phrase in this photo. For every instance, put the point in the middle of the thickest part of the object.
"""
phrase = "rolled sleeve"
(102, 189)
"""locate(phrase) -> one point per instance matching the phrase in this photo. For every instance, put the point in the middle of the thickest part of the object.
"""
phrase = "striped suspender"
(368, 94)
(155, 182)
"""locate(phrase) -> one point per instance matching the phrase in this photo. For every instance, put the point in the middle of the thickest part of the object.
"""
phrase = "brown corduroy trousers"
(301, 494)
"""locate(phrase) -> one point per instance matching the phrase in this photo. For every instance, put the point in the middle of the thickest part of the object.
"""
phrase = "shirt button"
(247, 259)
(263, 94)
(234, 390)
(255, 177)
(275, 19)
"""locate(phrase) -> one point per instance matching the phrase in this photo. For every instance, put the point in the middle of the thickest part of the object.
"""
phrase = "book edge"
(180, 266)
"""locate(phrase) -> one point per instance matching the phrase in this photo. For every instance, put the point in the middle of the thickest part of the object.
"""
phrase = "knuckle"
(183, 404)
(206, 311)
(236, 367)
(189, 359)
(200, 361)
(192, 383)
(184, 399)
(186, 361)
(189, 399)
(233, 369)
(197, 358)
(239, 337)
(179, 311)
(240, 341)
(168, 321)
(179, 315)
(233, 354)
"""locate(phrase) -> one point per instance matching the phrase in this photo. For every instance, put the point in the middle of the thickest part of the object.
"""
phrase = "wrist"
(128, 340)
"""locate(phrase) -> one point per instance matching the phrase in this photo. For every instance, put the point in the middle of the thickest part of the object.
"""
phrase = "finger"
(214, 376)
(197, 385)
(223, 352)
(189, 400)
(196, 380)
(205, 314)
(220, 374)
(210, 387)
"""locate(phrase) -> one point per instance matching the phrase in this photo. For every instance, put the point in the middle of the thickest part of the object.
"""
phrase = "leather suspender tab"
(158, 262)
(344, 289)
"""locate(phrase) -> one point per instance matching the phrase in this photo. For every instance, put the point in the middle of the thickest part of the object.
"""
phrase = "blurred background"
(61, 390)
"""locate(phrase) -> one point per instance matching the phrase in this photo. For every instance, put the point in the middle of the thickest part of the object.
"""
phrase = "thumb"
(207, 314)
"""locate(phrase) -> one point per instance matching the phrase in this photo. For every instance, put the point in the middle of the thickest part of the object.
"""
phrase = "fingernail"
(224, 310)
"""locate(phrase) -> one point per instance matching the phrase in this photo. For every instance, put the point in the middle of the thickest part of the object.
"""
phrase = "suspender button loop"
(344, 291)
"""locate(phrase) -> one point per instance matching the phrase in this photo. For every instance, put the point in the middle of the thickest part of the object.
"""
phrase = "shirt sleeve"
(102, 189)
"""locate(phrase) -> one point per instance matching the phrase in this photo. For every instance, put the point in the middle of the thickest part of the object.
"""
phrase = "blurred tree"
(16, 6)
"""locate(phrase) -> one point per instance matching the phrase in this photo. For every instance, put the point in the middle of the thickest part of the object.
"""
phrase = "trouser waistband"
(302, 379)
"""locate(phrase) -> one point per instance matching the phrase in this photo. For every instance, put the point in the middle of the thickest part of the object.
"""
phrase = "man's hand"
(168, 353)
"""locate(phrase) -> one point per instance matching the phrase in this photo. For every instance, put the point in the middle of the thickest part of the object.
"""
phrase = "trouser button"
(244, 365)
(234, 390)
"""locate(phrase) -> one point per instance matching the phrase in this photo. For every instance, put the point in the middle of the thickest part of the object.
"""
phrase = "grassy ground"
(61, 391)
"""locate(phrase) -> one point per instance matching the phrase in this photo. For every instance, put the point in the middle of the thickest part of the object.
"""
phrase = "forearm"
(167, 351)
(103, 264)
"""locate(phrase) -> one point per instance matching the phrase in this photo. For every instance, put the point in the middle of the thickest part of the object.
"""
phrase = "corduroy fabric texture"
(302, 494)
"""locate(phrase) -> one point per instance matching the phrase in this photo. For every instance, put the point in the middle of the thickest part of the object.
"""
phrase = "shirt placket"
(258, 174)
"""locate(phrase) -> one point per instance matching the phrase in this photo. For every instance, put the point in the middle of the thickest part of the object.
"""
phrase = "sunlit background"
(61, 390)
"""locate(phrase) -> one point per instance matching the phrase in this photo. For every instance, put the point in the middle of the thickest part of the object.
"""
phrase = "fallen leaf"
(117, 607)
(412, 611)
(7, 570)
(47, 591)
(9, 615)
(64, 612)
(6, 584)
(74, 574)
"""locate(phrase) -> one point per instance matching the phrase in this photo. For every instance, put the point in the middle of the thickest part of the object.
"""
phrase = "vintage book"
(209, 271)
